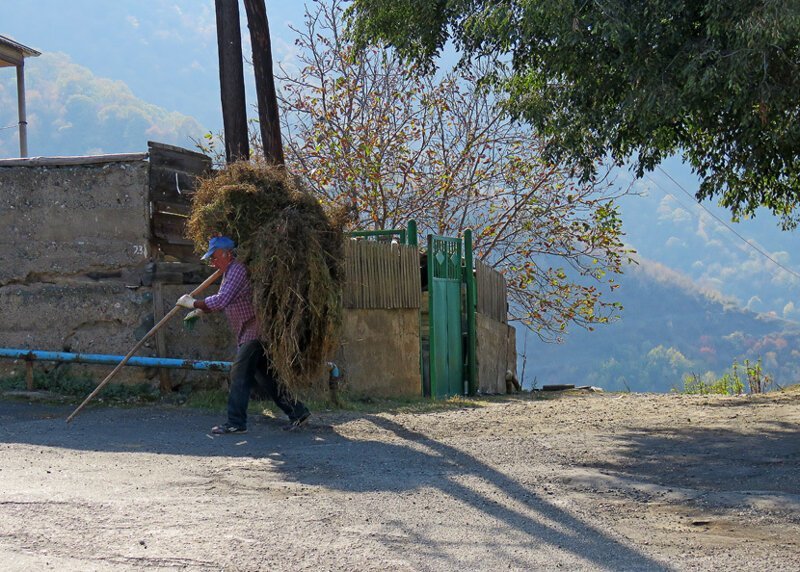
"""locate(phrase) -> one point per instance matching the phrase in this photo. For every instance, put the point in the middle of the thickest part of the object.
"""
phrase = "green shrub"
(731, 382)
(758, 381)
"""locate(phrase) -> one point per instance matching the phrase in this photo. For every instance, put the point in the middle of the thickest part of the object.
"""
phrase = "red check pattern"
(235, 297)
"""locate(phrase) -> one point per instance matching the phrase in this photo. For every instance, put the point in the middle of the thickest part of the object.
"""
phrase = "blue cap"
(216, 243)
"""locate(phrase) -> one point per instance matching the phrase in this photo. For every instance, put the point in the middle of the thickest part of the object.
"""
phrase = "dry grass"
(293, 251)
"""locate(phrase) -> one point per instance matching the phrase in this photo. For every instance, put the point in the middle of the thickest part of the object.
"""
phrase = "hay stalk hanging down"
(293, 252)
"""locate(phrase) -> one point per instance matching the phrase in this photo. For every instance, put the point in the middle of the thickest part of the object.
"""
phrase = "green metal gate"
(444, 291)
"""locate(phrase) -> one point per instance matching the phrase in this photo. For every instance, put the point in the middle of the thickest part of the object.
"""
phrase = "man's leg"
(243, 372)
(266, 378)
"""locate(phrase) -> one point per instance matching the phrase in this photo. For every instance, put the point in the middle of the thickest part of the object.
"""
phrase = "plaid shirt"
(235, 296)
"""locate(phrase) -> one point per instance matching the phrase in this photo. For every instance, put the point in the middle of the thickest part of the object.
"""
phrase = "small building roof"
(13, 53)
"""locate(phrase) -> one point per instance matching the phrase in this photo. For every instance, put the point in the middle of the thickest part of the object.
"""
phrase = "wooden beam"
(268, 118)
(78, 160)
(10, 56)
(165, 383)
(29, 382)
(231, 79)
(166, 149)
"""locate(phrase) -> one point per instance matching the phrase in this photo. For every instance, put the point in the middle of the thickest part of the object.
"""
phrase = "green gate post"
(472, 303)
(432, 353)
(411, 233)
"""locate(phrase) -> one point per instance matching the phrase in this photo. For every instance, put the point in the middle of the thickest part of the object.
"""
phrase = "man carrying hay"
(252, 367)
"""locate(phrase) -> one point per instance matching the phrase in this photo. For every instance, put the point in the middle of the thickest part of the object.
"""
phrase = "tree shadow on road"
(711, 460)
(319, 456)
(415, 461)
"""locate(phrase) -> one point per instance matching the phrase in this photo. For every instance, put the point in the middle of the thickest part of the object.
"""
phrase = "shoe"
(299, 422)
(226, 429)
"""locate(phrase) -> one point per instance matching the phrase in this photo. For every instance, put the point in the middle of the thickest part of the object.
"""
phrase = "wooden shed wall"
(492, 294)
(172, 179)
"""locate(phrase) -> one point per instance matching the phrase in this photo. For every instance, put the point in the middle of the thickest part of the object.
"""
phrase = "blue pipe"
(114, 360)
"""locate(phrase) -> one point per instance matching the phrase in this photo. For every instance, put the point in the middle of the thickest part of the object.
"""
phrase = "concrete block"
(70, 220)
(496, 353)
(379, 355)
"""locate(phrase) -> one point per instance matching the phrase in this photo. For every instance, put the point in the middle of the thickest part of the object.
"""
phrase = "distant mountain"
(73, 112)
(753, 261)
(669, 327)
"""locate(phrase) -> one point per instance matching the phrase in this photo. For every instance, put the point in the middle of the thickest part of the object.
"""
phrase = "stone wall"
(73, 220)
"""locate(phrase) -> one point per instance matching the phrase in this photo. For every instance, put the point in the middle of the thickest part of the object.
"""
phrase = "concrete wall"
(496, 353)
(211, 339)
(379, 354)
(76, 219)
(105, 317)
(75, 273)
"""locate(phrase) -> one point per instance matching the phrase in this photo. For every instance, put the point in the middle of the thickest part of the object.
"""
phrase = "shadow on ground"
(321, 457)
(713, 460)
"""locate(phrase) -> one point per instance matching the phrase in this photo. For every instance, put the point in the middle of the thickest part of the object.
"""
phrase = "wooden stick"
(208, 282)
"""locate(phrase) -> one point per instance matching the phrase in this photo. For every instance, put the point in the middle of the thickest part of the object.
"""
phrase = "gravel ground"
(573, 482)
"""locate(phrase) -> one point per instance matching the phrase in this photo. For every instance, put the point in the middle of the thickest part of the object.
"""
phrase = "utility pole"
(231, 79)
(268, 118)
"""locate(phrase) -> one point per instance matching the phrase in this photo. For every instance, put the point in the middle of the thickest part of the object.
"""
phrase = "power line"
(719, 220)
(10, 127)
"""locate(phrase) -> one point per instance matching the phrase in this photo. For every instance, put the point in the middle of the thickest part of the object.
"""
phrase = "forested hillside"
(73, 112)
(668, 328)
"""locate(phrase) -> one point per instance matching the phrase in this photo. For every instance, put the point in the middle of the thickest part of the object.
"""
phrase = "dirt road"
(592, 482)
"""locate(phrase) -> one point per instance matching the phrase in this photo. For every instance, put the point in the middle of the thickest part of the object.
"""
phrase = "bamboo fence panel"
(380, 275)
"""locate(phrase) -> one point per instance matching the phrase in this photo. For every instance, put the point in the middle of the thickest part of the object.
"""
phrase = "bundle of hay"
(293, 252)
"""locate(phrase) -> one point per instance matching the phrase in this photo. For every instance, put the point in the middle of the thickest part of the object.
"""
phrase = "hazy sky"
(164, 50)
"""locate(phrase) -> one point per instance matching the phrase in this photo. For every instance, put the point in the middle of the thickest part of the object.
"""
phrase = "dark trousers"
(251, 370)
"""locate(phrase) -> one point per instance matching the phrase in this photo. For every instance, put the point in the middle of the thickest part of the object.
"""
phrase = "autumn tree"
(717, 81)
(370, 134)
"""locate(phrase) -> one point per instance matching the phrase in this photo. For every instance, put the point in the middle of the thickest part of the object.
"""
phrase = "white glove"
(186, 301)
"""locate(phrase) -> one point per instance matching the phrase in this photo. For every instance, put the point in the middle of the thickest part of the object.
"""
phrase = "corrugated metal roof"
(12, 53)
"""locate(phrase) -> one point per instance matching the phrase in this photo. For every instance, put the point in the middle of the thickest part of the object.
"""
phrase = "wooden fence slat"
(401, 292)
(381, 260)
(352, 273)
(388, 283)
(378, 275)
(371, 275)
(386, 280)
(391, 275)
(348, 260)
(402, 298)
(405, 254)
(492, 293)
(393, 293)
(362, 273)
